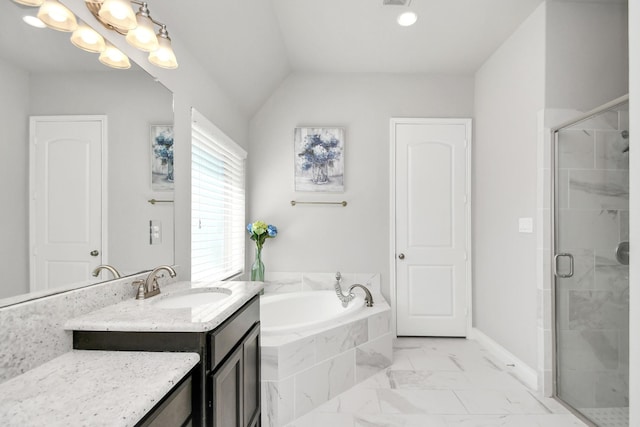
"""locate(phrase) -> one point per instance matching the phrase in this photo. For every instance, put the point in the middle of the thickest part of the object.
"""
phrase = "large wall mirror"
(43, 74)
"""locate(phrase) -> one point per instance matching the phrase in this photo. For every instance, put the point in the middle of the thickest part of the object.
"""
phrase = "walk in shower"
(591, 257)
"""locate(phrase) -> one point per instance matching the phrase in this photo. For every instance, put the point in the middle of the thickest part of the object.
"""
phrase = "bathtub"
(313, 349)
(301, 311)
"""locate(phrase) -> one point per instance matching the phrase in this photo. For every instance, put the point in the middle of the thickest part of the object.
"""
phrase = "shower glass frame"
(554, 243)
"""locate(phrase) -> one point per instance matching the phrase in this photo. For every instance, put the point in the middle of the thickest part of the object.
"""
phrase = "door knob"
(401, 256)
(94, 252)
(622, 253)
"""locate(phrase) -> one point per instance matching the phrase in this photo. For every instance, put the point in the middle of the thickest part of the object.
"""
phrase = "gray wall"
(354, 238)
(191, 87)
(509, 92)
(132, 101)
(587, 54)
(14, 173)
(570, 55)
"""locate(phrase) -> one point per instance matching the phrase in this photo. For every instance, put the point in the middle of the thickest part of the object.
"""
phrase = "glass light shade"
(57, 16)
(164, 57)
(114, 58)
(86, 38)
(407, 19)
(34, 3)
(143, 36)
(119, 14)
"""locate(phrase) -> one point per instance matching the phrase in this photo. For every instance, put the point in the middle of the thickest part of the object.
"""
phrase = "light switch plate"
(525, 225)
(155, 232)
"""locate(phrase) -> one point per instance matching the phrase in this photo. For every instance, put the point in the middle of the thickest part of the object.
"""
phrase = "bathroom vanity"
(101, 388)
(225, 383)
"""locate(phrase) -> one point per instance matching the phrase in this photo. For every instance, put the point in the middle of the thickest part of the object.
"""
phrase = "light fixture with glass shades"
(86, 38)
(163, 56)
(114, 58)
(56, 16)
(117, 15)
(143, 36)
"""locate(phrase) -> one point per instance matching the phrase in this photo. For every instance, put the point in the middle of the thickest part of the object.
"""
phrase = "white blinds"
(217, 202)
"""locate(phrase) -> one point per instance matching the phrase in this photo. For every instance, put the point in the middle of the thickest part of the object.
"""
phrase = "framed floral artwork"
(319, 159)
(162, 157)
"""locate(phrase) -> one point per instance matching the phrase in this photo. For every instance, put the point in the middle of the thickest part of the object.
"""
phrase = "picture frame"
(319, 159)
(162, 171)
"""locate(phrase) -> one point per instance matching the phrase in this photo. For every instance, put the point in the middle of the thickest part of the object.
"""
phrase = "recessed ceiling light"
(406, 19)
(33, 21)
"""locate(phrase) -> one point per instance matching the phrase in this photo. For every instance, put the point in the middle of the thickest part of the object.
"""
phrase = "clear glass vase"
(257, 268)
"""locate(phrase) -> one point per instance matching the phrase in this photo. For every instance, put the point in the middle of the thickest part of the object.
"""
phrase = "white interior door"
(66, 198)
(432, 221)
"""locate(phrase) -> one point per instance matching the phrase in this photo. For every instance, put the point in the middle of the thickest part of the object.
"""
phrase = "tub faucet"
(344, 299)
(368, 299)
(149, 287)
(101, 267)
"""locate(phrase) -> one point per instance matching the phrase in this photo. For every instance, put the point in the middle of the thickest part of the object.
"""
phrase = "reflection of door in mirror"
(66, 205)
(43, 74)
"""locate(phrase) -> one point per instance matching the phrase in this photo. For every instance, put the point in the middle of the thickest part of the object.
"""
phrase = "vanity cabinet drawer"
(230, 333)
(174, 410)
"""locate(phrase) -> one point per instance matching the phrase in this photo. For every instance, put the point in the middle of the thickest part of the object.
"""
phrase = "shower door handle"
(555, 265)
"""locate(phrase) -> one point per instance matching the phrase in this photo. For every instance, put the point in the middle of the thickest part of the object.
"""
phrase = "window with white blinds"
(217, 202)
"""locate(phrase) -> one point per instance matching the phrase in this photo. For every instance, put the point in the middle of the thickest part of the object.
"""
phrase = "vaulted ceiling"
(250, 46)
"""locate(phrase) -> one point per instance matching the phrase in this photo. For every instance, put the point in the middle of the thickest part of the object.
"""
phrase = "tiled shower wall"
(592, 306)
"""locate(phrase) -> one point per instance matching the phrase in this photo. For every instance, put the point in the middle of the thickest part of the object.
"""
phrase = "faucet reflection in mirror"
(98, 269)
(116, 15)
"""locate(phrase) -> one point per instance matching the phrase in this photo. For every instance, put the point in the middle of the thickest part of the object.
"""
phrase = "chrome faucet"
(101, 267)
(368, 299)
(344, 299)
(149, 287)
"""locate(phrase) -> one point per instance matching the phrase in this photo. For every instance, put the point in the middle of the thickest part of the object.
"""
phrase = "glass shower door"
(591, 236)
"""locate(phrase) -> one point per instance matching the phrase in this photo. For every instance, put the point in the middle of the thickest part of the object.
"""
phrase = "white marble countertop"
(92, 388)
(144, 316)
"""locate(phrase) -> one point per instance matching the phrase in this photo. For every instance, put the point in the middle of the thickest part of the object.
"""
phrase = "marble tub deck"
(302, 370)
(447, 382)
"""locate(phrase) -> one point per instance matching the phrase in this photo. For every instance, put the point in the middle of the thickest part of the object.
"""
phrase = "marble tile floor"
(440, 382)
(608, 417)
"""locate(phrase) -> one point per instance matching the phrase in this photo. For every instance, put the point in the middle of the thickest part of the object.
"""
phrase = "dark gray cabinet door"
(236, 385)
(251, 377)
(228, 392)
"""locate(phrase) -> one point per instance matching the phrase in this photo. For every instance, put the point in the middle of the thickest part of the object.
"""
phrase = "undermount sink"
(193, 298)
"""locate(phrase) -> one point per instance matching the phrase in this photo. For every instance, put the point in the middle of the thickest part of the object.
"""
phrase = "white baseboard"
(512, 364)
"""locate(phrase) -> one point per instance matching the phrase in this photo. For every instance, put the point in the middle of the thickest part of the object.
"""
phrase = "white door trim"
(32, 181)
(394, 121)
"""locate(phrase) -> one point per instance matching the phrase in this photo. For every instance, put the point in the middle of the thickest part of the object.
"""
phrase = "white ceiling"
(450, 36)
(250, 46)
